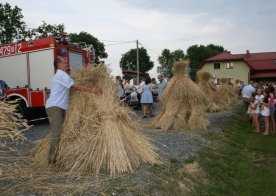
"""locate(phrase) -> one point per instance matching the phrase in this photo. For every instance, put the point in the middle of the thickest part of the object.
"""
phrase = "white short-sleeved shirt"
(59, 96)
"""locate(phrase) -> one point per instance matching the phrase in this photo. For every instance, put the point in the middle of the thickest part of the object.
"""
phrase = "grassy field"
(238, 161)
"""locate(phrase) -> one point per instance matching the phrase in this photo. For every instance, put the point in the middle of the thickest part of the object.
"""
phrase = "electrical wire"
(119, 43)
(103, 40)
(149, 49)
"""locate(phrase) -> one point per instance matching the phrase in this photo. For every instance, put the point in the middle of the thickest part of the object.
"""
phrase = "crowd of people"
(144, 92)
(260, 100)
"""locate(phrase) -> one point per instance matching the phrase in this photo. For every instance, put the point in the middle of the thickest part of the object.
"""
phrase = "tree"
(90, 39)
(198, 54)
(11, 24)
(46, 30)
(167, 59)
(129, 61)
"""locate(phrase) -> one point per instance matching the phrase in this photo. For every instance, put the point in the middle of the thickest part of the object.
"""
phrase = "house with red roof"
(245, 67)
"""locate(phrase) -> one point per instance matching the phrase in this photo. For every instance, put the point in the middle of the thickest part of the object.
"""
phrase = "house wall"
(240, 70)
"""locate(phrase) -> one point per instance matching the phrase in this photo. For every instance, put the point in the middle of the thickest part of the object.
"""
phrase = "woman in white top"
(256, 106)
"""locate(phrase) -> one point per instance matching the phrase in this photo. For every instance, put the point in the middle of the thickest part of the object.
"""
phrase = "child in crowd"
(265, 112)
(251, 108)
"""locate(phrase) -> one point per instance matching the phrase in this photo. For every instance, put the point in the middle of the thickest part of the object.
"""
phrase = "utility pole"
(137, 60)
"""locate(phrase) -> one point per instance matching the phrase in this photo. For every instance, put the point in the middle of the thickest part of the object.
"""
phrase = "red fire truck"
(27, 68)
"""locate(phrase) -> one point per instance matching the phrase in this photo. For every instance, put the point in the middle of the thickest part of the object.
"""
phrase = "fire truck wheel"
(23, 109)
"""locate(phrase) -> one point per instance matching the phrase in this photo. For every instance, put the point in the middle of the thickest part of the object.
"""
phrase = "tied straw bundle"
(11, 127)
(11, 123)
(215, 103)
(226, 92)
(98, 134)
(183, 104)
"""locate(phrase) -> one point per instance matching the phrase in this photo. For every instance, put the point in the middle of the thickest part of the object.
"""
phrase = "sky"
(237, 25)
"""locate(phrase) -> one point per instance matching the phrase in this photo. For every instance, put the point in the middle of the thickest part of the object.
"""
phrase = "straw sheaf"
(180, 67)
(12, 127)
(181, 98)
(11, 123)
(223, 80)
(227, 93)
(214, 104)
(99, 135)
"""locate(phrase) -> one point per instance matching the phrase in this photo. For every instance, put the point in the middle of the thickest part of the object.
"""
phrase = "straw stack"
(98, 134)
(11, 127)
(226, 92)
(215, 103)
(183, 104)
(11, 123)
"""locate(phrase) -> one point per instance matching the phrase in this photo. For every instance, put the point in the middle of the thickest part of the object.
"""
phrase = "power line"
(103, 40)
(120, 43)
(149, 49)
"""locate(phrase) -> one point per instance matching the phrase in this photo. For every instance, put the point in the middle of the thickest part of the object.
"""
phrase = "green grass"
(238, 161)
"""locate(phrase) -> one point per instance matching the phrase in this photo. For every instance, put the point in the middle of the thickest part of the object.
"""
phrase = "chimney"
(247, 53)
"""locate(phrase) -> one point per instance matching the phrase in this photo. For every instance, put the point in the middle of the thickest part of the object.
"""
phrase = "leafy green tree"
(129, 61)
(11, 24)
(46, 30)
(90, 39)
(198, 54)
(167, 59)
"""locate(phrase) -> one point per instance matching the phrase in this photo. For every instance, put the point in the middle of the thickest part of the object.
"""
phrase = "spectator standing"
(120, 88)
(265, 111)
(247, 92)
(127, 88)
(257, 109)
(161, 85)
(271, 108)
(146, 98)
(139, 92)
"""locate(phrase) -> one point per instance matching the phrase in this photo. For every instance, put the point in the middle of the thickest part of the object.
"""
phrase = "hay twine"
(98, 135)
(183, 103)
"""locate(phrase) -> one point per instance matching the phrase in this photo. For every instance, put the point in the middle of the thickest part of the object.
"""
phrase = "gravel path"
(173, 147)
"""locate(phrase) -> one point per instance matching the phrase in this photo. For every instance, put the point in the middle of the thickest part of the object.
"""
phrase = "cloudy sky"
(237, 25)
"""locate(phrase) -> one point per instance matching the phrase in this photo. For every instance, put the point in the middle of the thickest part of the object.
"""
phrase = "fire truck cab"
(27, 68)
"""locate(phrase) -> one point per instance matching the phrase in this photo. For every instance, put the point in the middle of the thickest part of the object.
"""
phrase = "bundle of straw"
(98, 134)
(11, 123)
(11, 127)
(215, 103)
(226, 92)
(183, 104)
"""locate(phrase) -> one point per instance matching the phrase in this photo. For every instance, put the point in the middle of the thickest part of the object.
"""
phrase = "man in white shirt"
(57, 104)
(161, 85)
(247, 92)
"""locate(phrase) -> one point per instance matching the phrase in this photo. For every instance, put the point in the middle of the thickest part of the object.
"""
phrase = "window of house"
(275, 61)
(216, 65)
(229, 65)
